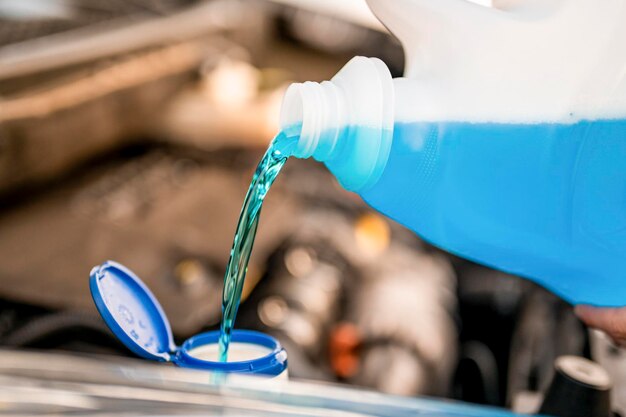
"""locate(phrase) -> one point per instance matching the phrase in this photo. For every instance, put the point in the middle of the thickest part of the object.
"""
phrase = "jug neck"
(349, 117)
(316, 113)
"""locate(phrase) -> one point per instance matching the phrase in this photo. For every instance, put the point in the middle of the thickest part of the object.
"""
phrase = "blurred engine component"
(613, 360)
(489, 304)
(141, 207)
(314, 26)
(580, 388)
(546, 330)
(105, 78)
(23, 21)
(512, 332)
(354, 271)
(404, 311)
(355, 12)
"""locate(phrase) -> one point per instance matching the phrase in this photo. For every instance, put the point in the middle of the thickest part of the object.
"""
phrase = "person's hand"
(612, 321)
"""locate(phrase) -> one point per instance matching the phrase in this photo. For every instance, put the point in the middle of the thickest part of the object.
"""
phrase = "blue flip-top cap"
(131, 311)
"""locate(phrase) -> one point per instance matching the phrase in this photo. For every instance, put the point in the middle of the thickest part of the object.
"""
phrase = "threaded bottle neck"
(346, 122)
(316, 112)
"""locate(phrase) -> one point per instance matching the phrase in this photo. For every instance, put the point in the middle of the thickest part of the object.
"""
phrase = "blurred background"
(129, 130)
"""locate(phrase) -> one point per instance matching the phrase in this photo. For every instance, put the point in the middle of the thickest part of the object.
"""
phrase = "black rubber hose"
(46, 326)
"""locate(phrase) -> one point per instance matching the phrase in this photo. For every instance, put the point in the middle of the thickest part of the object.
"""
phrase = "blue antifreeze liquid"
(544, 201)
(266, 171)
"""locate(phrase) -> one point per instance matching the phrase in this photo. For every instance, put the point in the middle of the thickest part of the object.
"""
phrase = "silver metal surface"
(46, 384)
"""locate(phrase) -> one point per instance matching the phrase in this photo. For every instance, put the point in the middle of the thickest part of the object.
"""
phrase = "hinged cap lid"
(131, 311)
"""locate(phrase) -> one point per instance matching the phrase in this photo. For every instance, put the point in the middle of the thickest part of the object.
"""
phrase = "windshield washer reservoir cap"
(135, 316)
(131, 311)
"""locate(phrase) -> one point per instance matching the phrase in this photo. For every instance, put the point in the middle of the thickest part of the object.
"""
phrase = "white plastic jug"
(505, 141)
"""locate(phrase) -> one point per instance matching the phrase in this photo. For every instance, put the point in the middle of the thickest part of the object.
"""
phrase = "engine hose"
(43, 327)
